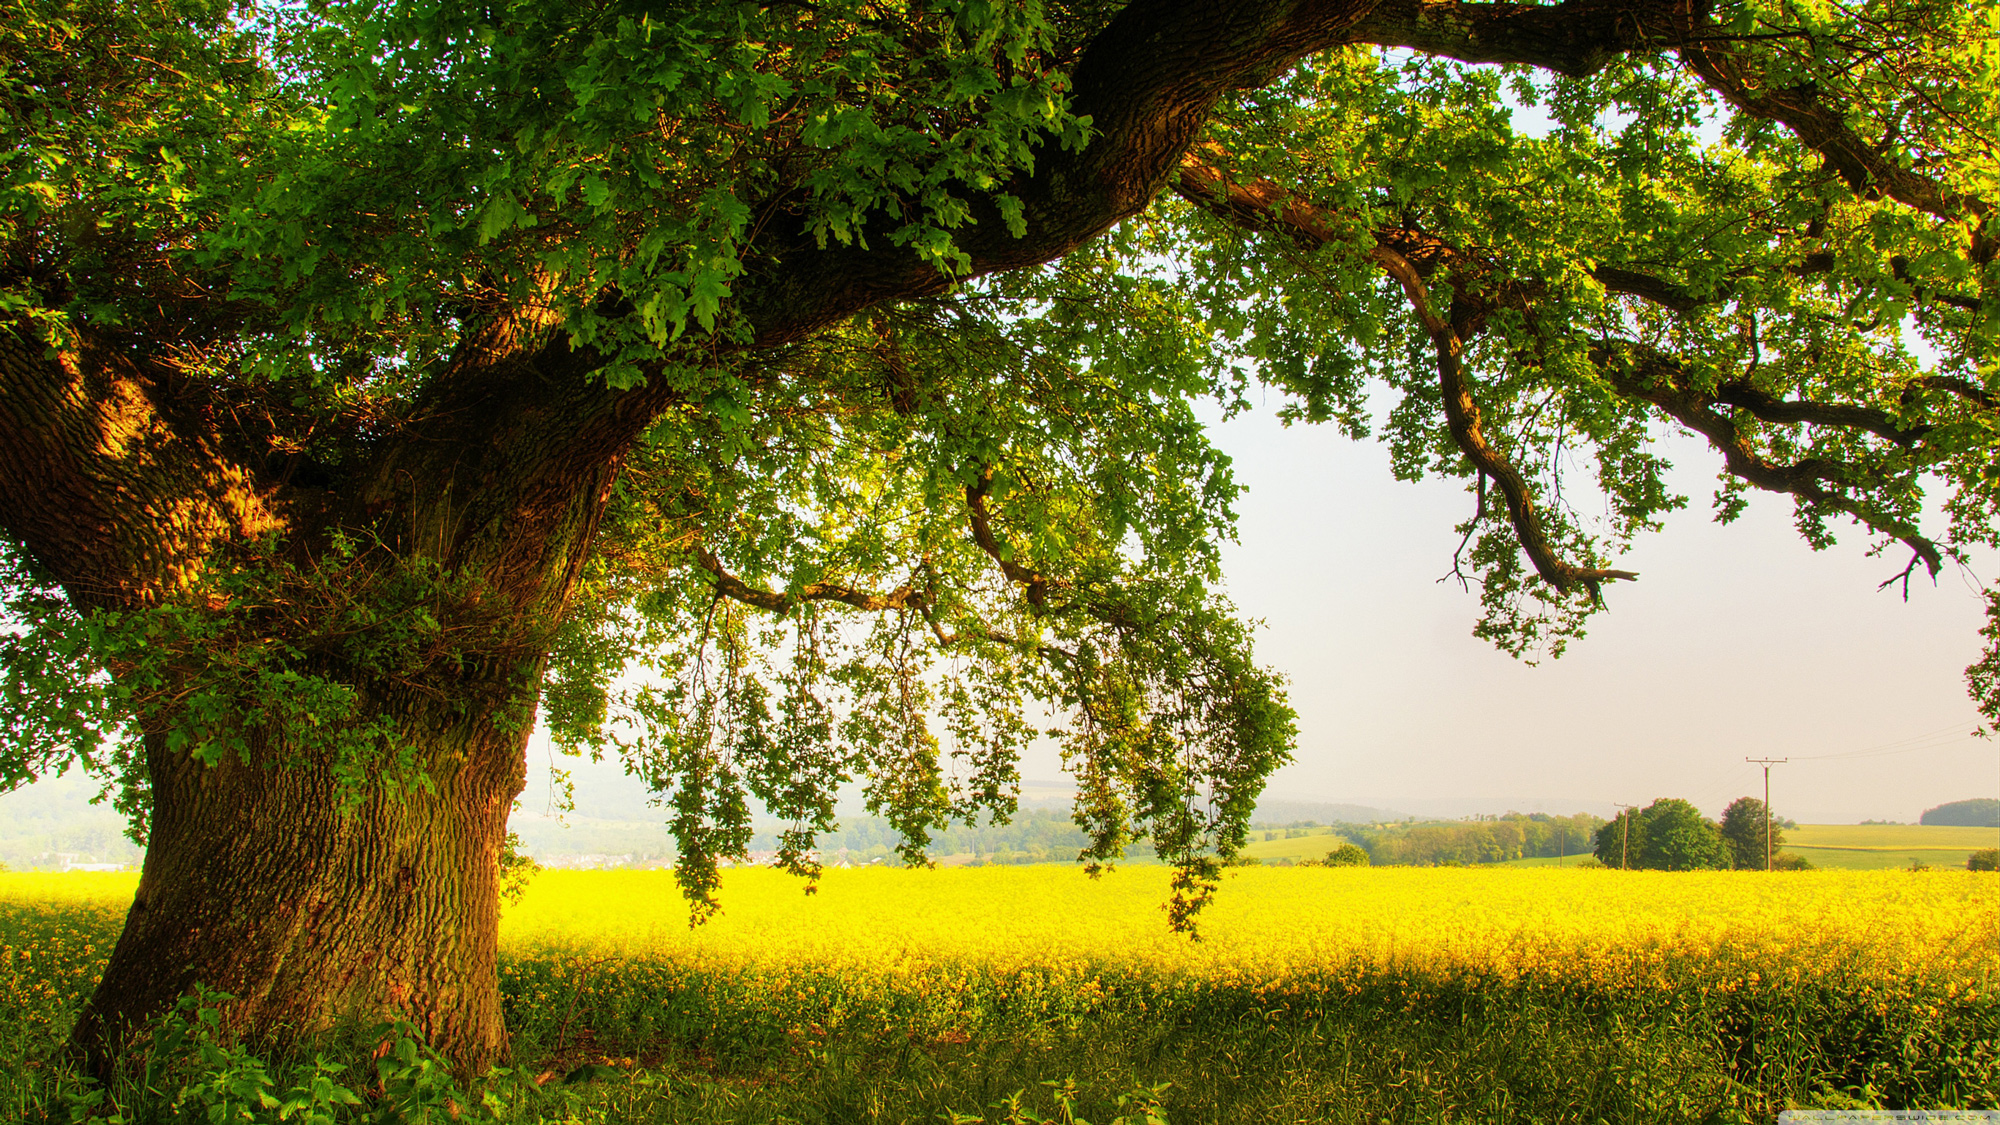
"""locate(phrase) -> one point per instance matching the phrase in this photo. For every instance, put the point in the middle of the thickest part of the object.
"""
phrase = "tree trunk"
(308, 901)
(258, 884)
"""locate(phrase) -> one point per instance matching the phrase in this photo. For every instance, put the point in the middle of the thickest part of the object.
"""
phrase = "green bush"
(1347, 855)
(1985, 859)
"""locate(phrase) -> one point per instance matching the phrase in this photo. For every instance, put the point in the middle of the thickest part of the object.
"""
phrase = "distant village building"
(591, 861)
(75, 861)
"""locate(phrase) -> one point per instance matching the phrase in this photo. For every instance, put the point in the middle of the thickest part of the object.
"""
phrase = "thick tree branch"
(1770, 408)
(1575, 38)
(1660, 291)
(1865, 168)
(1148, 82)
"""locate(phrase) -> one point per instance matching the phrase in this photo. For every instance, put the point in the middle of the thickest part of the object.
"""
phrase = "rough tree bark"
(258, 884)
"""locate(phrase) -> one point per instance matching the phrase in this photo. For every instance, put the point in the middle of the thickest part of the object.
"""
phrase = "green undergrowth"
(618, 1039)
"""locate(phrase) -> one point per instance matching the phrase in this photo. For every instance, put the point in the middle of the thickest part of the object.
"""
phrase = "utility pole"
(1767, 763)
(1562, 849)
(1625, 843)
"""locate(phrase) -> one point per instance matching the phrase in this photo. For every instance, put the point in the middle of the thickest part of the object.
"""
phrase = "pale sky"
(1735, 641)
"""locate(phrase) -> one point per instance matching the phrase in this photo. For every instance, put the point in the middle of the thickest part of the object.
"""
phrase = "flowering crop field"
(1401, 994)
(1273, 922)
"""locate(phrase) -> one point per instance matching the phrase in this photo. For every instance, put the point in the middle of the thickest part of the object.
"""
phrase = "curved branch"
(1899, 267)
(1408, 256)
(1265, 206)
(979, 632)
(734, 588)
(1462, 417)
(1272, 209)
(1824, 129)
(1641, 372)
(1963, 388)
(982, 534)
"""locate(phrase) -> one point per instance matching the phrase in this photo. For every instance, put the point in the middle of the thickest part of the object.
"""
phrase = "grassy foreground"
(1405, 995)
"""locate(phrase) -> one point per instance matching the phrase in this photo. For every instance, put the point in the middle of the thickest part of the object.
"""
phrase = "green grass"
(1571, 860)
(1927, 836)
(1873, 847)
(1314, 846)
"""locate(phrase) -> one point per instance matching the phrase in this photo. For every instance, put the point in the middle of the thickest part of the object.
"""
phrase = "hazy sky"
(1736, 641)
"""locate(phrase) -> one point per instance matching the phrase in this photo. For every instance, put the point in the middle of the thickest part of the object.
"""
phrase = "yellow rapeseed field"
(1264, 922)
(1269, 923)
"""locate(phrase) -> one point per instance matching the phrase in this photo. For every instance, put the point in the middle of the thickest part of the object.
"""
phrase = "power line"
(1930, 740)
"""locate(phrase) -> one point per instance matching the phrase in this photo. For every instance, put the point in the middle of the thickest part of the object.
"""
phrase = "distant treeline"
(1488, 839)
(1671, 835)
(1048, 835)
(1980, 812)
(1032, 836)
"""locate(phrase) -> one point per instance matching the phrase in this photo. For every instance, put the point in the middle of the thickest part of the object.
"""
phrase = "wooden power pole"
(1625, 841)
(1767, 763)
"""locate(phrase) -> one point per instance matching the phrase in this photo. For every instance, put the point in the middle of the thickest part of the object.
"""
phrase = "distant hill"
(1281, 813)
(1457, 808)
(1979, 812)
(52, 826)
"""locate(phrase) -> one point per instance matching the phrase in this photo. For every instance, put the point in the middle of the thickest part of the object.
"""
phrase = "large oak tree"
(784, 394)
